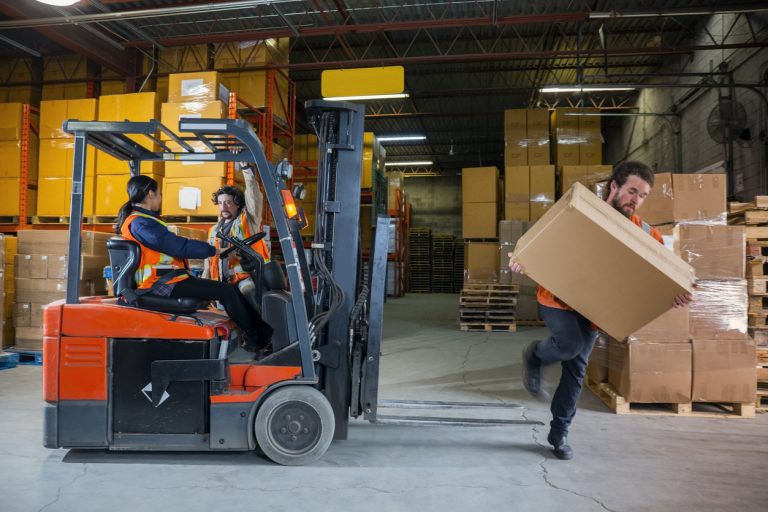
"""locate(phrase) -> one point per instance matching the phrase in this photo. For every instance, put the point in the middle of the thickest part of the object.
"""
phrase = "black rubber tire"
(295, 425)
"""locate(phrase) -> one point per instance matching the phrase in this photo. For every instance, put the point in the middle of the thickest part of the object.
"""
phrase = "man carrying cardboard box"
(572, 335)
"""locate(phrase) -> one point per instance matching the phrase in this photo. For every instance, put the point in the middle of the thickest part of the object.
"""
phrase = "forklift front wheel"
(295, 425)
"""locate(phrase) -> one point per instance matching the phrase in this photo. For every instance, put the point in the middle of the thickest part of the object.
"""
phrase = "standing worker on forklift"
(239, 217)
(572, 335)
(163, 269)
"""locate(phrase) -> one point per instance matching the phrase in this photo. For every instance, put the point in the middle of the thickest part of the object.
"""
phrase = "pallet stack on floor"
(420, 249)
(458, 266)
(694, 360)
(754, 216)
(488, 307)
(442, 264)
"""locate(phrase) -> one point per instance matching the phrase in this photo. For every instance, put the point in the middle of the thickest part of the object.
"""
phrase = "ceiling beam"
(76, 39)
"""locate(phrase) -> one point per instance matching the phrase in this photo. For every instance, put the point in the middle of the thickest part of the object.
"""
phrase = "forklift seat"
(124, 257)
(273, 277)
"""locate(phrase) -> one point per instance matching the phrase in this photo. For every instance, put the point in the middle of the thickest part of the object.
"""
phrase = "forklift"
(166, 374)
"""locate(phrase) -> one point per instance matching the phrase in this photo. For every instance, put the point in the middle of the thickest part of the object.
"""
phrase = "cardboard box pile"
(526, 137)
(479, 223)
(111, 174)
(8, 248)
(11, 126)
(57, 154)
(701, 353)
(510, 232)
(577, 138)
(529, 191)
(591, 176)
(41, 266)
(685, 198)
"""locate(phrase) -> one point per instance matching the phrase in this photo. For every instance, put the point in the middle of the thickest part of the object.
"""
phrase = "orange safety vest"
(152, 262)
(241, 230)
(547, 298)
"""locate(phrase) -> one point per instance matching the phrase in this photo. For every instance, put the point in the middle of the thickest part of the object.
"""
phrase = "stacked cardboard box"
(41, 266)
(529, 191)
(8, 246)
(56, 157)
(111, 174)
(591, 176)
(527, 309)
(480, 217)
(188, 186)
(526, 137)
(252, 86)
(576, 136)
(11, 157)
(701, 353)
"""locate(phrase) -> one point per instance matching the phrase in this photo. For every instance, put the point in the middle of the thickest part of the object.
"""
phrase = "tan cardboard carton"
(723, 371)
(479, 184)
(479, 220)
(40, 241)
(481, 262)
(607, 255)
(597, 368)
(685, 198)
(719, 310)
(672, 326)
(714, 251)
(517, 211)
(651, 372)
(516, 183)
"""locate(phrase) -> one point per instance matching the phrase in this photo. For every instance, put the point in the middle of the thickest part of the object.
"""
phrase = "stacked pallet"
(488, 307)
(420, 248)
(458, 266)
(442, 264)
(761, 400)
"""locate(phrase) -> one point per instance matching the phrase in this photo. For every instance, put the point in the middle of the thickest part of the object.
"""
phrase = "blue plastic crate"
(33, 357)
(8, 360)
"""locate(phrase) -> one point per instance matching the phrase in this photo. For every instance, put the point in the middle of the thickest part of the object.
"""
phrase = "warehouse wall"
(652, 140)
(435, 203)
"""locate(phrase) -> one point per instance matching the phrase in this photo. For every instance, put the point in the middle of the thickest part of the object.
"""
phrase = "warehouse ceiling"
(465, 61)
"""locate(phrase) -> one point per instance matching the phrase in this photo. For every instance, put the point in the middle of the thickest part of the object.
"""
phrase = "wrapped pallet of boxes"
(11, 141)
(677, 198)
(527, 308)
(479, 196)
(41, 266)
(603, 248)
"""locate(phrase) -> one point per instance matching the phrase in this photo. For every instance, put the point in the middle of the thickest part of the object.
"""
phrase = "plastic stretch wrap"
(714, 251)
(686, 198)
(719, 310)
(172, 113)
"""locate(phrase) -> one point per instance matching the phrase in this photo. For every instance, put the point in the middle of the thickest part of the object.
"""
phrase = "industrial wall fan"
(727, 120)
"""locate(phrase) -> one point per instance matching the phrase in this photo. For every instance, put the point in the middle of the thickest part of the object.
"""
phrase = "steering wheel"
(248, 241)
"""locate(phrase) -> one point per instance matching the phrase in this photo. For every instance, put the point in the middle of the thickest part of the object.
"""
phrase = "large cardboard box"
(714, 251)
(45, 291)
(591, 140)
(479, 185)
(723, 371)
(53, 113)
(582, 247)
(481, 262)
(671, 327)
(539, 208)
(112, 193)
(9, 198)
(685, 198)
(172, 113)
(190, 196)
(517, 211)
(197, 86)
(719, 310)
(538, 136)
(479, 220)
(651, 372)
(10, 156)
(10, 121)
(516, 183)
(55, 196)
(44, 241)
(57, 157)
(542, 183)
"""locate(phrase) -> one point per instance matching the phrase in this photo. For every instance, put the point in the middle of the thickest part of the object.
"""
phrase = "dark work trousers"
(570, 344)
(234, 303)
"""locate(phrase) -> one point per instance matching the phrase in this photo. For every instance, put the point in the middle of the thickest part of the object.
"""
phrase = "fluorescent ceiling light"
(368, 97)
(415, 163)
(59, 3)
(589, 88)
(393, 138)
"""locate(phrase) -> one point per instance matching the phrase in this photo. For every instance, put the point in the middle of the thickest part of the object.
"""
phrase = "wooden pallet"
(7, 219)
(758, 320)
(760, 335)
(757, 286)
(619, 405)
(488, 326)
(761, 398)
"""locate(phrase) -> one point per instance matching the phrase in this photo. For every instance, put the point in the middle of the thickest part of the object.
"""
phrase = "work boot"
(532, 374)
(560, 446)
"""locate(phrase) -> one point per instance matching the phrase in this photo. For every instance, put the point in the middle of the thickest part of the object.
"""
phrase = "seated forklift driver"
(239, 217)
(163, 252)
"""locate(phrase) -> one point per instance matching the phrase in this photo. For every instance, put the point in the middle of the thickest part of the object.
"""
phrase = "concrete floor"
(623, 463)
